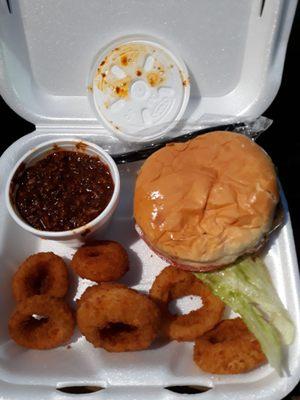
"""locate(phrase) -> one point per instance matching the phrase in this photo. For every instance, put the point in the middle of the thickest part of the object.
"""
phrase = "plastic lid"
(140, 89)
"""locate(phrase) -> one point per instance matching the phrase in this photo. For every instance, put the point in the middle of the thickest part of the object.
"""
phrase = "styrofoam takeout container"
(234, 52)
(77, 236)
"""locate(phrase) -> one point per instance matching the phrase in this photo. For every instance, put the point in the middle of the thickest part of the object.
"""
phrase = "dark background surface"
(281, 141)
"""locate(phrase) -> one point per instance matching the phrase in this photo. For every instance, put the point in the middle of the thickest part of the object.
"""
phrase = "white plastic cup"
(148, 112)
(76, 236)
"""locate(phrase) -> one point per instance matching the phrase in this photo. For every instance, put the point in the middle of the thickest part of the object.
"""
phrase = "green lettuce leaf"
(247, 288)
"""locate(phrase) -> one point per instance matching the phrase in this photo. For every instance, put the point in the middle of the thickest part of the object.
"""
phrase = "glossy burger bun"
(204, 203)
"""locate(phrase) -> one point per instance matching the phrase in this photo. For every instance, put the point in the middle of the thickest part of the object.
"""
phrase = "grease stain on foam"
(85, 232)
(81, 146)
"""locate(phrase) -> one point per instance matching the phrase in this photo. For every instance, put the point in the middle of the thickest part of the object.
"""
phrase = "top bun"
(204, 203)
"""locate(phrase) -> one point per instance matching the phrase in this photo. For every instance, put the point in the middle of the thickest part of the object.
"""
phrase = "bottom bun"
(195, 266)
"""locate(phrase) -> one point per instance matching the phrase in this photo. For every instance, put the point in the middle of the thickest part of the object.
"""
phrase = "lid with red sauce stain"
(139, 89)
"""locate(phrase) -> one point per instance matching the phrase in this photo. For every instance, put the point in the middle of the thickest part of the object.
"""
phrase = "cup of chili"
(63, 190)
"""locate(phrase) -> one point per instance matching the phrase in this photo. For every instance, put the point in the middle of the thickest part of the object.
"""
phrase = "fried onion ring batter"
(117, 318)
(41, 273)
(41, 322)
(230, 348)
(173, 283)
(101, 261)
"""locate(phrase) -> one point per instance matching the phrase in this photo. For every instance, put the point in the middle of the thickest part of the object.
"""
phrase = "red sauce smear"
(63, 191)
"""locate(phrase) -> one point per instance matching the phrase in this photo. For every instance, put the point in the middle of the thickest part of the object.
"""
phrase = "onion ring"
(117, 318)
(173, 283)
(101, 261)
(41, 273)
(41, 322)
(230, 348)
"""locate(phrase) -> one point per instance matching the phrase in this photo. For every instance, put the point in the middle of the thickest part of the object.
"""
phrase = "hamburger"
(204, 203)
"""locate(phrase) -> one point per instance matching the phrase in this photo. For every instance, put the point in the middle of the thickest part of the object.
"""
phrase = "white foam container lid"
(234, 51)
